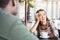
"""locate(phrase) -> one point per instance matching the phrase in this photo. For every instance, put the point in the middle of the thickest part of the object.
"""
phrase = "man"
(11, 27)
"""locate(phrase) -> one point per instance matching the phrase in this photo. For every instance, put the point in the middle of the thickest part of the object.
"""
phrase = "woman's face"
(42, 16)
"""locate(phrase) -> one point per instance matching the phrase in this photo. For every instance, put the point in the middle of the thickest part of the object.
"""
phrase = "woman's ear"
(13, 2)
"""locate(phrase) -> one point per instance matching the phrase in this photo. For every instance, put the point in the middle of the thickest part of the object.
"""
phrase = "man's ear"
(13, 2)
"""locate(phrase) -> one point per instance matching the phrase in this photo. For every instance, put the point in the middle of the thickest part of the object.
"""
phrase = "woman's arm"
(50, 34)
(55, 31)
(36, 23)
(34, 26)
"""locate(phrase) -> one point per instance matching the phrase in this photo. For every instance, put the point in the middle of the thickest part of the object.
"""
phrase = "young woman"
(43, 24)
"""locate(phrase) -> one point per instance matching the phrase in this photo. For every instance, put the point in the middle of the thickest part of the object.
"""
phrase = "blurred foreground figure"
(11, 27)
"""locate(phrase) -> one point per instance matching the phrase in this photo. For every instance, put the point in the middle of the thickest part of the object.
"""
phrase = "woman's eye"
(39, 15)
(44, 14)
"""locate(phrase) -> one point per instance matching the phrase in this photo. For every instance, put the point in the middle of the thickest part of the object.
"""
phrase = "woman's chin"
(43, 20)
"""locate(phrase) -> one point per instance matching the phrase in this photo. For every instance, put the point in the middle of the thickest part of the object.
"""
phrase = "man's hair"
(4, 3)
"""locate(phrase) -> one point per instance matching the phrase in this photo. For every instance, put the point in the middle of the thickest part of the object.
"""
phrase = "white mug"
(44, 34)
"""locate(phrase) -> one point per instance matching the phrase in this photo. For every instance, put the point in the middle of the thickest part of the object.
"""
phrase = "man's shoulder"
(6, 22)
(7, 19)
(8, 15)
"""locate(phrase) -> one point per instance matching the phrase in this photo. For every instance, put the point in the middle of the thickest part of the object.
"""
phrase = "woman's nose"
(42, 16)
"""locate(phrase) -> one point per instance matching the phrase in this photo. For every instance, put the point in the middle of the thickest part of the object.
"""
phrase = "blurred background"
(27, 9)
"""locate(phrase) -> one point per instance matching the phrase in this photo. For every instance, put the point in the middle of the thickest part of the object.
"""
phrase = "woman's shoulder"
(54, 24)
(51, 23)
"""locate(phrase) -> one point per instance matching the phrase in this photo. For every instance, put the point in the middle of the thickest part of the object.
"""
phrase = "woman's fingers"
(36, 17)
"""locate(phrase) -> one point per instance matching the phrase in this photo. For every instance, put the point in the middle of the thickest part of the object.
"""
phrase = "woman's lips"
(42, 19)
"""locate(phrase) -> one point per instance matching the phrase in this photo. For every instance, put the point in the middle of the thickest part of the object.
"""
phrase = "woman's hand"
(36, 17)
(49, 33)
(36, 23)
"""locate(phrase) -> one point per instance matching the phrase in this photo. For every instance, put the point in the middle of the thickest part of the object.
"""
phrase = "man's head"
(9, 6)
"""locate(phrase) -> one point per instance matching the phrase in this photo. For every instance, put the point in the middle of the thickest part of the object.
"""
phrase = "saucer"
(44, 37)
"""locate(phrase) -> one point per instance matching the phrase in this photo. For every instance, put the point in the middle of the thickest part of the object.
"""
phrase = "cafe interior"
(27, 9)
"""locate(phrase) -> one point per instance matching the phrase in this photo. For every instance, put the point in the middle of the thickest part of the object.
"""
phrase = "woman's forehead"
(42, 12)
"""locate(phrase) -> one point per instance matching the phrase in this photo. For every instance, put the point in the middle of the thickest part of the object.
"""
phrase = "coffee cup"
(44, 34)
